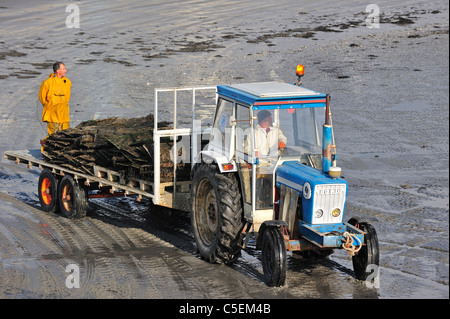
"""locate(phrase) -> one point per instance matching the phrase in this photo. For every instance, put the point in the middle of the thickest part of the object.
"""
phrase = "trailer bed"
(101, 176)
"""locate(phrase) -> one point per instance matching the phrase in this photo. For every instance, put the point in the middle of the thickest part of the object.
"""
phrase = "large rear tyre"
(48, 191)
(216, 214)
(368, 257)
(273, 257)
(73, 201)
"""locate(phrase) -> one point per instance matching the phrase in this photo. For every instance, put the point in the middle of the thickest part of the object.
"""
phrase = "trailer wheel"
(273, 257)
(72, 198)
(48, 191)
(369, 255)
(216, 214)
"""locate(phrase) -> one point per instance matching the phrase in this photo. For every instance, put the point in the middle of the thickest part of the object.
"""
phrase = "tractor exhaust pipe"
(327, 139)
(329, 149)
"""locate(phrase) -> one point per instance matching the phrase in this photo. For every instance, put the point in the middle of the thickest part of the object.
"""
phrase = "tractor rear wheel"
(72, 197)
(216, 214)
(273, 257)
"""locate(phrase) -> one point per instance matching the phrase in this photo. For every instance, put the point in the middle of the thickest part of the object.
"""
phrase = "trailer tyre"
(72, 198)
(273, 257)
(369, 255)
(216, 214)
(48, 191)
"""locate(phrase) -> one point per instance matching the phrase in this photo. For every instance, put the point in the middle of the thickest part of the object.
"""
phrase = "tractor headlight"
(307, 190)
(336, 212)
(318, 213)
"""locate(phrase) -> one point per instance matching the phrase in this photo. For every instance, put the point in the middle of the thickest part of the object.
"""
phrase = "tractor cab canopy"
(278, 94)
(271, 119)
(259, 124)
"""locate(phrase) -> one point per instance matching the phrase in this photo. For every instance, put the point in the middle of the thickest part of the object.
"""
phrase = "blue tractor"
(270, 167)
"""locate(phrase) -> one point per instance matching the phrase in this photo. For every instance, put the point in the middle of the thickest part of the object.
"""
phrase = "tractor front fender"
(278, 224)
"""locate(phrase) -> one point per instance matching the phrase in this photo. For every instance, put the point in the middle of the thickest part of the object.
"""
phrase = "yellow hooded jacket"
(54, 96)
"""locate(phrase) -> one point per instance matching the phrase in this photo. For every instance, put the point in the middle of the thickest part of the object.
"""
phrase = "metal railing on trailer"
(194, 131)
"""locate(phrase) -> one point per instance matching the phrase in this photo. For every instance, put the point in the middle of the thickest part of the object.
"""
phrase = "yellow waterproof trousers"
(54, 127)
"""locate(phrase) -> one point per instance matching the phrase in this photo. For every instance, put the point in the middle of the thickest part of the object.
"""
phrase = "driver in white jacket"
(268, 139)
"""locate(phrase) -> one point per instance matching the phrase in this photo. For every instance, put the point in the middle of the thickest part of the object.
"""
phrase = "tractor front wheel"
(273, 257)
(369, 256)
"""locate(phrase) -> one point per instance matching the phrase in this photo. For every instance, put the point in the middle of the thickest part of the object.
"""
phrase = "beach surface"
(389, 88)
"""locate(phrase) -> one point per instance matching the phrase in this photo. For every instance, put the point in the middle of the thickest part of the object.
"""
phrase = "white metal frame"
(174, 133)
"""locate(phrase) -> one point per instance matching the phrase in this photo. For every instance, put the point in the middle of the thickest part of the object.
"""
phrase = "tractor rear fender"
(279, 224)
(224, 165)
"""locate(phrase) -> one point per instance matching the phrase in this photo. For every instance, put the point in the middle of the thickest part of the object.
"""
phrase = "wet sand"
(390, 96)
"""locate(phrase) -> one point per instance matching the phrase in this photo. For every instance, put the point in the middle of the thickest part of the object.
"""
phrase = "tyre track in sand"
(129, 250)
(119, 256)
(25, 269)
(163, 272)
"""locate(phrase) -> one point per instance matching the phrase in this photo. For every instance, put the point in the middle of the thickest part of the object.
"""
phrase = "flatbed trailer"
(102, 178)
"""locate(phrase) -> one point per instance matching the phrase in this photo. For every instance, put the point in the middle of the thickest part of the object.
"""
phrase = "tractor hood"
(318, 190)
(295, 174)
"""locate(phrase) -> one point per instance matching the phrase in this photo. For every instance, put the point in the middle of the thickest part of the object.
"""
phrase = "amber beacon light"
(300, 70)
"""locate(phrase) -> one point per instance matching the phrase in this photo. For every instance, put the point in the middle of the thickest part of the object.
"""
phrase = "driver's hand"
(281, 148)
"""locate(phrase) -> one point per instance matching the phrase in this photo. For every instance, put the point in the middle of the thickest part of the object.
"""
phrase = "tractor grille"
(328, 197)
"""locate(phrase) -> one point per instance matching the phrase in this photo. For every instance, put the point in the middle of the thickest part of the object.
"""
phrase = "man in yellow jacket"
(54, 96)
